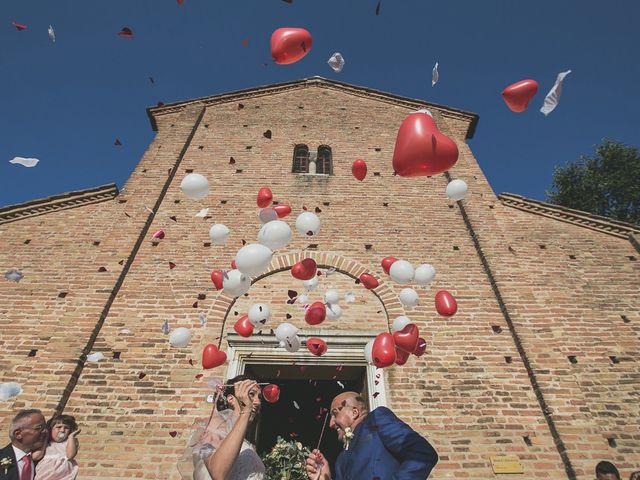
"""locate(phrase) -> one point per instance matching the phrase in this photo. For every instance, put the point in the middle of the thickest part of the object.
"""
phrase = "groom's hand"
(317, 466)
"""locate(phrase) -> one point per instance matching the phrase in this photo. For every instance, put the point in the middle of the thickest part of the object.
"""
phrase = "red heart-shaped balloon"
(305, 269)
(217, 277)
(401, 356)
(317, 346)
(369, 281)
(446, 305)
(264, 197)
(518, 95)
(420, 347)
(243, 326)
(316, 313)
(212, 357)
(282, 210)
(383, 351)
(407, 338)
(271, 393)
(387, 262)
(288, 45)
(359, 169)
(421, 149)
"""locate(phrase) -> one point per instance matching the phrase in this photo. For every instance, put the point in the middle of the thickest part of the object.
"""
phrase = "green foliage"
(286, 461)
(606, 184)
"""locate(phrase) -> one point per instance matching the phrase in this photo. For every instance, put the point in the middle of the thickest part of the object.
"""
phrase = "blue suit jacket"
(385, 448)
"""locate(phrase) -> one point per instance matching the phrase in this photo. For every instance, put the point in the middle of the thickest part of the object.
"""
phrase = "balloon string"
(324, 426)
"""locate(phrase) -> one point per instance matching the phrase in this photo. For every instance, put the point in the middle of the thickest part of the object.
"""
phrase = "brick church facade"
(540, 362)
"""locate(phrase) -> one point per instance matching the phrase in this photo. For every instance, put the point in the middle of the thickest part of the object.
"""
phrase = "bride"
(219, 449)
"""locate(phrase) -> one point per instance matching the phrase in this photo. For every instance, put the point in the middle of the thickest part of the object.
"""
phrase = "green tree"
(606, 184)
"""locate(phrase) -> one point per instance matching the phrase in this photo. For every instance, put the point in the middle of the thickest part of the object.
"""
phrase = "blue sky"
(66, 103)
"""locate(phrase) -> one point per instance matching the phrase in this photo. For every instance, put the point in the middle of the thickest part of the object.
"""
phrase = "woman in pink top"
(58, 462)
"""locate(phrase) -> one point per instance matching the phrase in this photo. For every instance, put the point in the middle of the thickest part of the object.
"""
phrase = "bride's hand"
(242, 391)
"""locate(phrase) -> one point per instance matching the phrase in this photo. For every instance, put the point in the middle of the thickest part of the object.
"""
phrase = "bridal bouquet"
(286, 461)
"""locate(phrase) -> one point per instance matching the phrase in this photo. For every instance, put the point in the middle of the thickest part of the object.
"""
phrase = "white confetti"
(95, 357)
(350, 297)
(295, 404)
(165, 327)
(330, 271)
(52, 34)
(336, 62)
(203, 213)
(203, 319)
(553, 97)
(340, 383)
(125, 331)
(13, 275)
(435, 75)
(25, 162)
(149, 210)
(9, 390)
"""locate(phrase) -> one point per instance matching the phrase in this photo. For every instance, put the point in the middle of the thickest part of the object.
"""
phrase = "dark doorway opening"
(312, 388)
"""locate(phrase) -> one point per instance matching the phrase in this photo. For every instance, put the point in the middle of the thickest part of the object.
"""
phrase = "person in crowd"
(28, 433)
(607, 471)
(377, 445)
(58, 456)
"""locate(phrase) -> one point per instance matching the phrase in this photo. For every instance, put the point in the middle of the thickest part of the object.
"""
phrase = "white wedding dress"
(204, 442)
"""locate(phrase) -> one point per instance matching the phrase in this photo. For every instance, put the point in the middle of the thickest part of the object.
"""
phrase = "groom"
(377, 445)
(28, 433)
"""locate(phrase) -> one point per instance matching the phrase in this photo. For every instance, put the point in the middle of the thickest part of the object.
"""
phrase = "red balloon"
(369, 281)
(217, 277)
(243, 326)
(282, 210)
(518, 95)
(387, 262)
(212, 357)
(233, 264)
(317, 346)
(316, 313)
(383, 351)
(401, 356)
(407, 338)
(271, 393)
(359, 169)
(421, 149)
(264, 197)
(420, 347)
(288, 45)
(446, 305)
(305, 269)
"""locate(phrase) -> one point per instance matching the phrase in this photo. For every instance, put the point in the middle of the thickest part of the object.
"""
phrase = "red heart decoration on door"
(316, 313)
(271, 393)
(288, 45)
(369, 281)
(421, 149)
(518, 95)
(383, 351)
(305, 269)
(317, 346)
(407, 338)
(212, 357)
(217, 277)
(243, 326)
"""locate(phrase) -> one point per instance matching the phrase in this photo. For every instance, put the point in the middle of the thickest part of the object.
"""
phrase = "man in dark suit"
(378, 445)
(28, 433)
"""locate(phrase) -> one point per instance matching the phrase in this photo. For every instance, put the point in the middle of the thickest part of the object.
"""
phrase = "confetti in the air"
(165, 327)
(19, 26)
(435, 75)
(52, 34)
(125, 33)
(553, 97)
(203, 319)
(95, 357)
(295, 404)
(9, 390)
(341, 384)
(336, 62)
(25, 162)
(13, 275)
(203, 213)
(350, 297)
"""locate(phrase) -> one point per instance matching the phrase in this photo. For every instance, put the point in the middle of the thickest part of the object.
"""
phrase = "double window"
(318, 163)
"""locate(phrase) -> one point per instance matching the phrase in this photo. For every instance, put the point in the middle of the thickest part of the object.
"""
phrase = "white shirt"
(19, 454)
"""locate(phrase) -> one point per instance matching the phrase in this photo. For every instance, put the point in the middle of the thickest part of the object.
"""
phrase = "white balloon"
(311, 284)
(292, 344)
(253, 259)
(195, 186)
(286, 330)
(332, 297)
(400, 322)
(180, 337)
(235, 283)
(308, 223)
(424, 274)
(334, 312)
(302, 299)
(268, 215)
(401, 271)
(457, 189)
(275, 234)
(368, 352)
(409, 297)
(259, 313)
(219, 233)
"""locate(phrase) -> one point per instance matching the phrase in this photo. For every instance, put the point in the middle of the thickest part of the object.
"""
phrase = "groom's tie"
(26, 468)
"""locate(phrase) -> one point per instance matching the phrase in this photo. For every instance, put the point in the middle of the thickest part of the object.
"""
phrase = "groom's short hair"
(20, 420)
